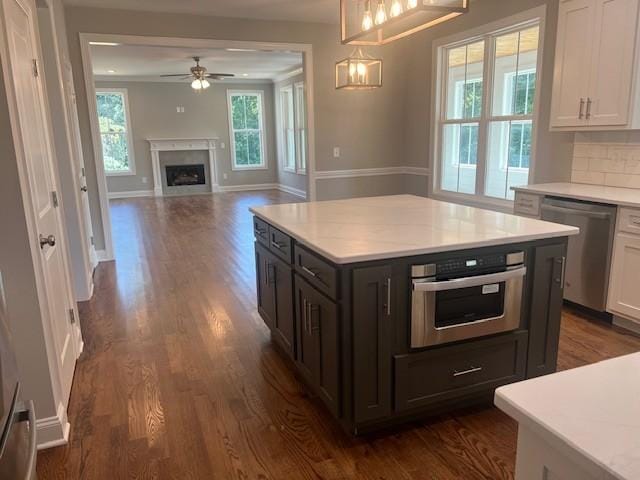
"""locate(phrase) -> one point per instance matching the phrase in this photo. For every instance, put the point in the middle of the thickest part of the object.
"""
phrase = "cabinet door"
(624, 288)
(572, 63)
(265, 286)
(546, 309)
(283, 328)
(612, 62)
(318, 350)
(373, 310)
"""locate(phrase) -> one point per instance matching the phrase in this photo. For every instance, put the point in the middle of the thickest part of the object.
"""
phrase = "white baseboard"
(53, 431)
(371, 172)
(131, 194)
(247, 188)
(102, 256)
(292, 191)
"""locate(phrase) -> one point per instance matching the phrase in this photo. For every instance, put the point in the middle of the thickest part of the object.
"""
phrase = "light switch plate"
(336, 152)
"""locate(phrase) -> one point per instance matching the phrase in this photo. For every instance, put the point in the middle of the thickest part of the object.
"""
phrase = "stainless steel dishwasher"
(589, 253)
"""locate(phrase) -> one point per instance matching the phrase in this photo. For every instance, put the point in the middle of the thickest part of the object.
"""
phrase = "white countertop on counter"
(591, 414)
(373, 228)
(626, 197)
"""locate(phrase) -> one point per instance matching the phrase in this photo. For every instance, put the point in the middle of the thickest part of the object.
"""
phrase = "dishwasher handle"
(572, 211)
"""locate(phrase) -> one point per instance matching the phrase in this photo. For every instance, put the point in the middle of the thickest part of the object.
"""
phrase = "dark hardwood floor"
(179, 380)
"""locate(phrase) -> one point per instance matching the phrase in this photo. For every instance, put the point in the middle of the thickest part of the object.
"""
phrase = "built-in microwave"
(462, 298)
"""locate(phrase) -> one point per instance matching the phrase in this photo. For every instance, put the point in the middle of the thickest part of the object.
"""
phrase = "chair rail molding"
(372, 172)
(158, 145)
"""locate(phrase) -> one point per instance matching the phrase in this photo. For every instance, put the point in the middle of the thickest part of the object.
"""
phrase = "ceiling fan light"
(205, 83)
(196, 84)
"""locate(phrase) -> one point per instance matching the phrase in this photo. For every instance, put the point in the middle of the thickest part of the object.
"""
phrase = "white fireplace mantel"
(182, 144)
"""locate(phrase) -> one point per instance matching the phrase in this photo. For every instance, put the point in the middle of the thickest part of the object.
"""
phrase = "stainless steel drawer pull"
(469, 371)
(260, 231)
(589, 102)
(388, 297)
(277, 245)
(309, 271)
(581, 114)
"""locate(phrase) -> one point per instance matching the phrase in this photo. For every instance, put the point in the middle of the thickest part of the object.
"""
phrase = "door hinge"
(92, 241)
(83, 172)
(72, 316)
(35, 68)
(54, 198)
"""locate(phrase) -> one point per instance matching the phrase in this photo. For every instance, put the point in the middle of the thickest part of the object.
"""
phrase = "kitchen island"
(393, 308)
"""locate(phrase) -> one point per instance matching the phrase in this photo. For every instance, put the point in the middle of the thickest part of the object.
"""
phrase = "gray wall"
(366, 125)
(554, 150)
(153, 115)
(290, 179)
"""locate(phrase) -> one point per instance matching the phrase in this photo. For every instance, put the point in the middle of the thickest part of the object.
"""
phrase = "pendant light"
(359, 25)
(359, 72)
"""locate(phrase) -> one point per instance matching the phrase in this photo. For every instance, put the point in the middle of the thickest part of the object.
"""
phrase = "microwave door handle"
(422, 286)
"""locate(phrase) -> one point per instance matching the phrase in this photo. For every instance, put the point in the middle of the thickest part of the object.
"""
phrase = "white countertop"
(626, 197)
(591, 414)
(373, 228)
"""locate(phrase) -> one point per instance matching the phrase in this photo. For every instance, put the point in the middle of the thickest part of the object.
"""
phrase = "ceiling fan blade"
(175, 75)
(219, 75)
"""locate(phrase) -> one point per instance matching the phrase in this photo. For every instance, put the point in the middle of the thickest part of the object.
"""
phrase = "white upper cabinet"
(572, 62)
(594, 83)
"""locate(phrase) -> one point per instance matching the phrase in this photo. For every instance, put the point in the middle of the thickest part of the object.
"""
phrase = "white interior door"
(74, 124)
(35, 139)
(572, 63)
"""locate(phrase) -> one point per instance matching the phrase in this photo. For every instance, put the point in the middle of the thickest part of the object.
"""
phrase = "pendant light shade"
(377, 22)
(200, 84)
(359, 72)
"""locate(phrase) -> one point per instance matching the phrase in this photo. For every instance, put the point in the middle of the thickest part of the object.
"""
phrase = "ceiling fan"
(200, 75)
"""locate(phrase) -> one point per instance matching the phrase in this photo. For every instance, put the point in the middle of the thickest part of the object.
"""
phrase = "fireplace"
(185, 175)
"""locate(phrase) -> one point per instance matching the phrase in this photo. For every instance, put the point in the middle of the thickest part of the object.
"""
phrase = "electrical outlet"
(145, 179)
(336, 152)
(224, 175)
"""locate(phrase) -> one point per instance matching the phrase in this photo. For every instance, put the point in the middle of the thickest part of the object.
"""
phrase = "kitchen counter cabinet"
(352, 328)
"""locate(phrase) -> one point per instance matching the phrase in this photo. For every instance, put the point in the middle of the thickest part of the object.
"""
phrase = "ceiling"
(147, 63)
(322, 11)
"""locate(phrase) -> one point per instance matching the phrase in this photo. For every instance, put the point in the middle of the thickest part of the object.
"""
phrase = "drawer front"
(449, 372)
(261, 231)
(280, 244)
(629, 220)
(316, 271)
(526, 204)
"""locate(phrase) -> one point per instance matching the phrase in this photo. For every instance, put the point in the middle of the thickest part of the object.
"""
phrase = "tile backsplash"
(611, 164)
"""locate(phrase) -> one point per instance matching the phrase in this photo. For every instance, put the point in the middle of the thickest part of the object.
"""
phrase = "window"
(246, 124)
(485, 126)
(288, 128)
(293, 129)
(115, 131)
(301, 127)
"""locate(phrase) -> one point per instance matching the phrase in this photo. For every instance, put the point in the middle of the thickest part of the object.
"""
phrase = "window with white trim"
(485, 122)
(115, 132)
(288, 129)
(246, 125)
(301, 127)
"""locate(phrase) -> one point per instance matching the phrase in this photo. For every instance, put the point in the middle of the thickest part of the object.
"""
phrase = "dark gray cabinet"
(318, 355)
(546, 309)
(275, 291)
(373, 314)
(265, 286)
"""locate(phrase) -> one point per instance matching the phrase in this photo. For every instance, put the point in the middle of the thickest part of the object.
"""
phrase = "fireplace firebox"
(184, 175)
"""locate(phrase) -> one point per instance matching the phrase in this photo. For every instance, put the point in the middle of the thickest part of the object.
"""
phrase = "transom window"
(486, 113)
(246, 122)
(115, 132)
